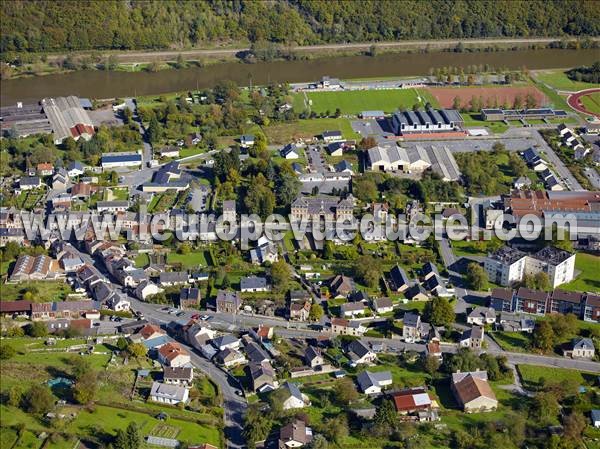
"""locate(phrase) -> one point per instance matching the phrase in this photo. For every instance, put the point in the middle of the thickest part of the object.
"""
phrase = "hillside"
(46, 26)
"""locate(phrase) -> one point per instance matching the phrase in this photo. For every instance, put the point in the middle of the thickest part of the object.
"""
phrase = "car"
(205, 317)
(164, 309)
(239, 393)
(180, 313)
(195, 316)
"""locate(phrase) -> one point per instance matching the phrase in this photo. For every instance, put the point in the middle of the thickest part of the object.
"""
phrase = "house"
(434, 349)
(189, 298)
(150, 331)
(313, 357)
(75, 169)
(290, 151)
(473, 392)
(265, 251)
(416, 293)
(246, 140)
(226, 341)
(35, 268)
(580, 348)
(436, 286)
(228, 302)
(15, 308)
(254, 284)
(595, 416)
(179, 375)
(412, 327)
(383, 305)
(145, 289)
(30, 182)
(256, 354)
(531, 301)
(415, 401)
(331, 136)
(173, 354)
(295, 434)
(198, 334)
(472, 338)
(170, 151)
(522, 183)
(230, 357)
(341, 286)
(300, 310)
(170, 278)
(398, 280)
(168, 394)
(373, 382)
(501, 299)
(229, 211)
(511, 322)
(294, 398)
(352, 309)
(482, 315)
(340, 326)
(262, 333)
(262, 376)
(359, 353)
(44, 169)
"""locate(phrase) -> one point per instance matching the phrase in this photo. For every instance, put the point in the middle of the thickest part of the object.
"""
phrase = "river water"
(99, 84)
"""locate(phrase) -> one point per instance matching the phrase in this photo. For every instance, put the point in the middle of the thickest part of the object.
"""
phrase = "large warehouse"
(68, 118)
(431, 120)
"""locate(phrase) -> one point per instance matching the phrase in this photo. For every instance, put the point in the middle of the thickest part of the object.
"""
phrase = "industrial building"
(68, 118)
(24, 120)
(119, 160)
(430, 120)
(498, 115)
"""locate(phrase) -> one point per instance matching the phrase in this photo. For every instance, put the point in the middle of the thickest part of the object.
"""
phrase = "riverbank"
(154, 61)
(111, 84)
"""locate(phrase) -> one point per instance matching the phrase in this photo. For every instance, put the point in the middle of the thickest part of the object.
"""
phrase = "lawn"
(512, 341)
(559, 80)
(474, 121)
(283, 133)
(141, 260)
(532, 375)
(355, 101)
(193, 259)
(592, 102)
(588, 279)
(192, 151)
(47, 291)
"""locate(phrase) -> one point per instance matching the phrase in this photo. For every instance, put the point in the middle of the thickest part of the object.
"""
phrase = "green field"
(588, 280)
(592, 102)
(532, 375)
(355, 101)
(193, 259)
(283, 133)
(46, 291)
(474, 121)
(512, 341)
(559, 80)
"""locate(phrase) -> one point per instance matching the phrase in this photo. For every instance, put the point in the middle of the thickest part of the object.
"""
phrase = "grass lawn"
(592, 102)
(474, 121)
(283, 133)
(588, 279)
(512, 341)
(468, 248)
(141, 260)
(531, 375)
(559, 80)
(193, 259)
(356, 101)
(186, 152)
(28, 440)
(557, 101)
(47, 291)
(116, 194)
(8, 437)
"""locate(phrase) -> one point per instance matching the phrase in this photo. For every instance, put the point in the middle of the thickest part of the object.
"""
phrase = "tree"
(6, 351)
(38, 400)
(431, 364)
(316, 312)
(542, 281)
(545, 407)
(456, 103)
(384, 421)
(287, 187)
(280, 274)
(154, 131)
(84, 390)
(543, 336)
(318, 442)
(134, 437)
(518, 102)
(80, 366)
(368, 270)
(260, 198)
(137, 350)
(365, 189)
(180, 64)
(257, 425)
(366, 143)
(336, 428)
(574, 425)
(439, 312)
(530, 101)
(345, 391)
(328, 249)
(477, 277)
(122, 344)
(36, 329)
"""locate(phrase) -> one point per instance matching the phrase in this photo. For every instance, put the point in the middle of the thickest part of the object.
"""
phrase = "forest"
(61, 25)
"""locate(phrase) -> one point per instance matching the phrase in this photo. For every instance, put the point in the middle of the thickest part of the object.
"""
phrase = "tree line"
(113, 24)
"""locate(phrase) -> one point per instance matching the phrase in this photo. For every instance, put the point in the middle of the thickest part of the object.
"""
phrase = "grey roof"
(173, 276)
(368, 379)
(255, 353)
(457, 377)
(443, 163)
(398, 277)
(389, 153)
(482, 312)
(312, 353)
(411, 319)
(177, 372)
(30, 181)
(552, 255)
(352, 307)
(357, 348)
(383, 302)
(252, 282)
(126, 157)
(226, 339)
(167, 391)
(583, 343)
(595, 415)
(508, 255)
(343, 165)
(293, 390)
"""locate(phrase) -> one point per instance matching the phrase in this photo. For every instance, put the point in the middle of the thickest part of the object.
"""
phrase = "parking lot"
(315, 159)
(379, 129)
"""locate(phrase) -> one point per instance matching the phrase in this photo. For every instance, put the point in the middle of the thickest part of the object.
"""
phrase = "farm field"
(560, 81)
(588, 279)
(355, 101)
(491, 95)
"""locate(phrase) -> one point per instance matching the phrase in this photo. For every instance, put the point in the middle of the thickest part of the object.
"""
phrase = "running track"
(576, 104)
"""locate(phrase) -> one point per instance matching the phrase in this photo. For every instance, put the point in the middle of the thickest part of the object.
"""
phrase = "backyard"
(41, 291)
(588, 280)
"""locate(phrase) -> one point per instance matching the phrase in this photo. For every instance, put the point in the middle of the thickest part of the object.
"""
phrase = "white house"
(168, 394)
(294, 397)
(481, 316)
(359, 353)
(145, 289)
(290, 151)
(580, 348)
(373, 382)
(173, 354)
(595, 414)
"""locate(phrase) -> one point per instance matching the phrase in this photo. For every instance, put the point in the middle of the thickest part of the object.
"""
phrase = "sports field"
(491, 96)
(356, 101)
(559, 80)
(592, 102)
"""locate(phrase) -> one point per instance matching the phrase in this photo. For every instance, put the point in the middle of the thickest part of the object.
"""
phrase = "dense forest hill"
(70, 25)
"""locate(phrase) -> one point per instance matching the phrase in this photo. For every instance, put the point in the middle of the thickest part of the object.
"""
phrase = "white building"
(373, 382)
(168, 394)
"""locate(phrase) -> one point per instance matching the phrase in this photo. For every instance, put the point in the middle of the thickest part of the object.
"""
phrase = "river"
(99, 84)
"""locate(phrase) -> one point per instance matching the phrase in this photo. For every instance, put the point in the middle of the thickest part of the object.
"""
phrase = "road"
(148, 56)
